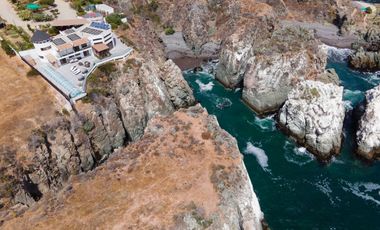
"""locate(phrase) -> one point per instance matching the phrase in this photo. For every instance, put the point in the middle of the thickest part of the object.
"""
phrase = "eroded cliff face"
(314, 114)
(368, 138)
(274, 71)
(184, 173)
(121, 102)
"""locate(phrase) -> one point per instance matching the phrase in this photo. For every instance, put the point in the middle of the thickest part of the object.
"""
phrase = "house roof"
(80, 42)
(69, 22)
(100, 47)
(39, 36)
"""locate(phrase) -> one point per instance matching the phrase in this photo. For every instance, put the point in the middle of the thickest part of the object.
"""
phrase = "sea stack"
(279, 65)
(368, 134)
(314, 115)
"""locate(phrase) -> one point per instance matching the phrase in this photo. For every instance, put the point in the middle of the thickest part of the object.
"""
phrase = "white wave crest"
(366, 190)
(297, 155)
(205, 87)
(337, 54)
(260, 155)
(266, 123)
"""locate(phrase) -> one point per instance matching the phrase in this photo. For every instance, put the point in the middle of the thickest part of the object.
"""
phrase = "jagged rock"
(180, 92)
(239, 47)
(314, 115)
(192, 166)
(365, 60)
(270, 78)
(368, 134)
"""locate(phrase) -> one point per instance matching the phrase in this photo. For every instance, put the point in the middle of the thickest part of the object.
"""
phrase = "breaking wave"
(260, 155)
(366, 190)
(266, 123)
(223, 102)
(297, 155)
(205, 87)
(337, 54)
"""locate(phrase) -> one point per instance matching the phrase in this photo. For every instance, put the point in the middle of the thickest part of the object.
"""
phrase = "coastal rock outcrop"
(314, 115)
(291, 55)
(121, 101)
(368, 134)
(367, 52)
(192, 166)
(179, 90)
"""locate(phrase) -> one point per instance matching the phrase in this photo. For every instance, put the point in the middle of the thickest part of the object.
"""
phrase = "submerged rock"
(314, 114)
(368, 134)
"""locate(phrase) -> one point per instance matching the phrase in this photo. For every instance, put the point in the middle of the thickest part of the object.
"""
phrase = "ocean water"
(294, 190)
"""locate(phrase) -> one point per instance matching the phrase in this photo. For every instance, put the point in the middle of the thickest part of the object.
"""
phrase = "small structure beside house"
(104, 9)
(93, 17)
(41, 42)
(63, 24)
(364, 7)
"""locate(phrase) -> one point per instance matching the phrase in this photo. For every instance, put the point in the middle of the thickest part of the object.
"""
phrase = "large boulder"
(368, 134)
(179, 90)
(291, 55)
(314, 115)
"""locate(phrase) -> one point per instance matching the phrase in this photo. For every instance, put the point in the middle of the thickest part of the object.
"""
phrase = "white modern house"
(105, 9)
(94, 38)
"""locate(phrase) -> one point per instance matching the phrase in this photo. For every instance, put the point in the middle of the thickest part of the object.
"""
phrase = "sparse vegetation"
(16, 37)
(148, 11)
(114, 20)
(6, 47)
(88, 126)
(169, 30)
(32, 73)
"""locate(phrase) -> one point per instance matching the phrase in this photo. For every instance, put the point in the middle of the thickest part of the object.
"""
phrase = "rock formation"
(367, 52)
(184, 173)
(368, 134)
(314, 115)
(121, 104)
(289, 57)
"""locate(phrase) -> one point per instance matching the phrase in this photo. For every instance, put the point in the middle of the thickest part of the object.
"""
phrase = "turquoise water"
(295, 191)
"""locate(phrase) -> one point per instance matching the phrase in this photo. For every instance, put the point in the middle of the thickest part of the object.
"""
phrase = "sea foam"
(366, 190)
(205, 87)
(260, 155)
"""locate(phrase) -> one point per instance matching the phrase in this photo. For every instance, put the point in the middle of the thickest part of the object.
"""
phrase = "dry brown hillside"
(25, 102)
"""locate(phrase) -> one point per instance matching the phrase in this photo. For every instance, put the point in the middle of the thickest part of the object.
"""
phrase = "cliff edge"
(184, 173)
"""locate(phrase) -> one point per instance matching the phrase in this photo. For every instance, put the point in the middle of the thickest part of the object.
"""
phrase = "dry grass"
(25, 103)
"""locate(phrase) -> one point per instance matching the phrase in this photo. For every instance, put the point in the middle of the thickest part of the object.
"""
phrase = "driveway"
(9, 14)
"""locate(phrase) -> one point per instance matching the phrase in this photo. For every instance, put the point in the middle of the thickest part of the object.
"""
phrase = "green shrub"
(8, 50)
(32, 73)
(88, 126)
(107, 68)
(114, 19)
(169, 31)
(40, 17)
(25, 15)
(46, 2)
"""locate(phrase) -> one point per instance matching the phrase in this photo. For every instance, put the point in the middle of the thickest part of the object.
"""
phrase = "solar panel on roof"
(100, 25)
(58, 41)
(91, 31)
(69, 31)
(73, 37)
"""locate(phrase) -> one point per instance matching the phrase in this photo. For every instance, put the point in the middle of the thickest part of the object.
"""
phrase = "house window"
(46, 48)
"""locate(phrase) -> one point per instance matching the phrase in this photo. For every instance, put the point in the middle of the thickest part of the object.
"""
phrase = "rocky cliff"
(184, 173)
(367, 52)
(314, 115)
(123, 97)
(290, 56)
(368, 134)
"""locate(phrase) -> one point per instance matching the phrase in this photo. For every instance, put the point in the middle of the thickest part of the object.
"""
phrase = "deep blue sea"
(294, 190)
